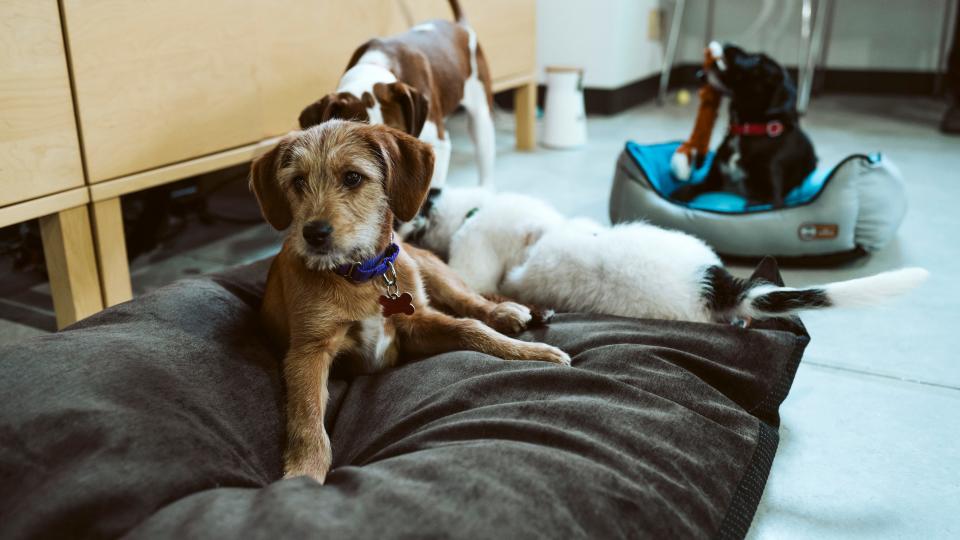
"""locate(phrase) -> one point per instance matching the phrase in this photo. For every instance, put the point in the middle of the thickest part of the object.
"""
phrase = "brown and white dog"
(336, 188)
(412, 82)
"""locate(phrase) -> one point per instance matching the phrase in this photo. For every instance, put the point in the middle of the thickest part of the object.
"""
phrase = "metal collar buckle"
(390, 282)
(774, 128)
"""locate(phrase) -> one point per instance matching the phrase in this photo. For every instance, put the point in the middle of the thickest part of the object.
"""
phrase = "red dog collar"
(773, 128)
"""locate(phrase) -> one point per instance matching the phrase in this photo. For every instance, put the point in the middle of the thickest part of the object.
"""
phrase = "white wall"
(609, 38)
(606, 37)
(867, 34)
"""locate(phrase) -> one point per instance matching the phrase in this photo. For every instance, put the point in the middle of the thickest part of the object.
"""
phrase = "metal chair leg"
(948, 20)
(826, 33)
(805, 68)
(708, 27)
(670, 54)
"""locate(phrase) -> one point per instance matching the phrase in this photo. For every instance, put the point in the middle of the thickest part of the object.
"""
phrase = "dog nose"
(317, 233)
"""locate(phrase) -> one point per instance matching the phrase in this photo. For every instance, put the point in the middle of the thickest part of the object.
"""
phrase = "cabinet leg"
(71, 265)
(525, 111)
(111, 251)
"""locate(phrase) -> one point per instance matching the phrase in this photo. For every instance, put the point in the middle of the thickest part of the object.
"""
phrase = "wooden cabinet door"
(161, 81)
(304, 49)
(506, 30)
(39, 152)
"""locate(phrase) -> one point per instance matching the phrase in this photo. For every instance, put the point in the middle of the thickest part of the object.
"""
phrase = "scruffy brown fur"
(321, 316)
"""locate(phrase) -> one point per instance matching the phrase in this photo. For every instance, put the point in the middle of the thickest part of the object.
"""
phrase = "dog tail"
(457, 12)
(757, 299)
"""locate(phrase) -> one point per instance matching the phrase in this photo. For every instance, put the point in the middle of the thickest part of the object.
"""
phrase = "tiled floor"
(870, 445)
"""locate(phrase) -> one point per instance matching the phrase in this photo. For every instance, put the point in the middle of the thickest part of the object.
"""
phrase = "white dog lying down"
(521, 247)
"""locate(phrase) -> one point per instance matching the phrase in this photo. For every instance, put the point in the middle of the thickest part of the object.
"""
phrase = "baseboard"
(607, 101)
(911, 83)
(604, 101)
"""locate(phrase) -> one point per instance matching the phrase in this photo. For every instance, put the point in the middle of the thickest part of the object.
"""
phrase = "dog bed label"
(818, 231)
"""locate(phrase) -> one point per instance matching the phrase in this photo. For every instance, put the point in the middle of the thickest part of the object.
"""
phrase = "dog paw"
(313, 470)
(545, 353)
(680, 166)
(509, 318)
(312, 459)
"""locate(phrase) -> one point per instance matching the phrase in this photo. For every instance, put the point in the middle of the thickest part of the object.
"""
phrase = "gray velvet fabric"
(163, 417)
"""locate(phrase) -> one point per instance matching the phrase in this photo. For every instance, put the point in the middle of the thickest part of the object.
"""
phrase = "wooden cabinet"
(506, 30)
(304, 48)
(41, 173)
(39, 152)
(161, 82)
(164, 90)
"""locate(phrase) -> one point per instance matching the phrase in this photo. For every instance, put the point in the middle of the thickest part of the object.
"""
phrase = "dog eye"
(352, 179)
(299, 184)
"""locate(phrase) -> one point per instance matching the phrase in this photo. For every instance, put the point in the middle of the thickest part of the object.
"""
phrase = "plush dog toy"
(765, 154)
(692, 152)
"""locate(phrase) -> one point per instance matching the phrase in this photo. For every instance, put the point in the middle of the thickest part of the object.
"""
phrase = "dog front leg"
(441, 152)
(445, 288)
(428, 332)
(305, 371)
(776, 185)
(480, 123)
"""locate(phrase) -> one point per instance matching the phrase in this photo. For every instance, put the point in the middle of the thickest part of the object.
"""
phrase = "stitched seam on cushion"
(769, 405)
(746, 498)
(743, 505)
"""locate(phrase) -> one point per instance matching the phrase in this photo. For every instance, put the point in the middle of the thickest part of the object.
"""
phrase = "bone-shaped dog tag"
(397, 305)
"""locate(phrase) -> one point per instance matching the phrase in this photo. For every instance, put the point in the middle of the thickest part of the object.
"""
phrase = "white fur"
(375, 67)
(680, 166)
(372, 68)
(860, 292)
(441, 151)
(521, 247)
(731, 168)
(377, 348)
(871, 290)
(480, 119)
(716, 51)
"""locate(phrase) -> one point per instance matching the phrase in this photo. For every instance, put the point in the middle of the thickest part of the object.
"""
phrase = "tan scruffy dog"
(341, 289)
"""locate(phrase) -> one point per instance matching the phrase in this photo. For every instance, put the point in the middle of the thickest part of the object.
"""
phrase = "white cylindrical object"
(564, 118)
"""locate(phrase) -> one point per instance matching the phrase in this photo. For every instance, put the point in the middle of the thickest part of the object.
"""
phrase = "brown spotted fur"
(431, 68)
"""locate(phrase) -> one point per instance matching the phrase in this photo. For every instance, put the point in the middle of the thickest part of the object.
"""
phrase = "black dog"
(765, 154)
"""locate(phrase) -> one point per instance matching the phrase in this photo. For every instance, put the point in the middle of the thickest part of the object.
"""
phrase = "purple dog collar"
(360, 272)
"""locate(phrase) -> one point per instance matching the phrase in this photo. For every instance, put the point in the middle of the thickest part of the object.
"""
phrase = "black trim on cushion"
(747, 497)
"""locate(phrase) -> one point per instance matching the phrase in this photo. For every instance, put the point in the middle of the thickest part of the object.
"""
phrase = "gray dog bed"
(853, 208)
(163, 418)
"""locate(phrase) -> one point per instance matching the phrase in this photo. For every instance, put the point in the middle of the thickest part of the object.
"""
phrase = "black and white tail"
(458, 15)
(457, 12)
(733, 298)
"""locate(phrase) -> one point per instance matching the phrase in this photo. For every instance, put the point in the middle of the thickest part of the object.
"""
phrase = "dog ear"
(263, 182)
(316, 112)
(408, 167)
(412, 105)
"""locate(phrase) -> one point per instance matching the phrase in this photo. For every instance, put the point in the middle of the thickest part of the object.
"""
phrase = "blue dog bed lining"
(654, 161)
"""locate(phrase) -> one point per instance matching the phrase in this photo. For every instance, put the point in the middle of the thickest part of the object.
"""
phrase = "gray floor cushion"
(163, 417)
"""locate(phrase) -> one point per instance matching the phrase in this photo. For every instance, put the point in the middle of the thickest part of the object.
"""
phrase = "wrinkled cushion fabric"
(163, 417)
